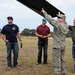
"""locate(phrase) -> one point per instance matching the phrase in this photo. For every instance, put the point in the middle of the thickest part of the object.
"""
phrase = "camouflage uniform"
(58, 51)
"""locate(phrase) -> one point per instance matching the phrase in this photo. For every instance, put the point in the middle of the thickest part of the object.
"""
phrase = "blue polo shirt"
(10, 32)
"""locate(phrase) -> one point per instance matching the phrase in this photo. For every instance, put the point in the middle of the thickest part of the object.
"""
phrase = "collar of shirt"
(43, 25)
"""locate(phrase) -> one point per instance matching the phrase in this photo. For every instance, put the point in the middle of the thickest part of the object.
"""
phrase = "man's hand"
(6, 41)
(44, 36)
(21, 45)
(41, 36)
(42, 10)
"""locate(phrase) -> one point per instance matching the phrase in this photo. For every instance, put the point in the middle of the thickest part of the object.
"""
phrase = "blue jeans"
(73, 51)
(42, 45)
(12, 46)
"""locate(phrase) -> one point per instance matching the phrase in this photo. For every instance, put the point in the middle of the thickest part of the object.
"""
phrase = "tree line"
(0, 30)
(31, 32)
(28, 32)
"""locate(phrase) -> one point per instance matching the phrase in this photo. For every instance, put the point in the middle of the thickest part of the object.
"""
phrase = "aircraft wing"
(37, 5)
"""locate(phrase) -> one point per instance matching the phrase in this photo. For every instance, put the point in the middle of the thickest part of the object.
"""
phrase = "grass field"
(28, 59)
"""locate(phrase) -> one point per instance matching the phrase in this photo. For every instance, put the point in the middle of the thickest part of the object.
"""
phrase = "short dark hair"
(10, 18)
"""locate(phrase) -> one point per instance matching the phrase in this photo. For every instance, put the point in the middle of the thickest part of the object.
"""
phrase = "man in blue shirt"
(9, 34)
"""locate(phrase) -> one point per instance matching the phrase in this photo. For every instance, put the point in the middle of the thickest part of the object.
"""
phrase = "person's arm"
(41, 36)
(49, 18)
(70, 27)
(20, 40)
(4, 38)
(3, 32)
(19, 36)
(47, 36)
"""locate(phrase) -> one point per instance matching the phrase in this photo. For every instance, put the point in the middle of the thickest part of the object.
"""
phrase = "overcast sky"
(26, 18)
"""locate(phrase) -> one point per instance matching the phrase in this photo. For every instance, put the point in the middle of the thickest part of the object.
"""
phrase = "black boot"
(45, 59)
(39, 60)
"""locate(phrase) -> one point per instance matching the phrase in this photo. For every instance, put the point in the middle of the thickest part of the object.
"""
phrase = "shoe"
(38, 63)
(73, 71)
(74, 67)
(45, 63)
(17, 67)
(9, 68)
(64, 74)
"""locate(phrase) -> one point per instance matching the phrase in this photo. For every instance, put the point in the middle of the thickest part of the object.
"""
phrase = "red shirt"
(43, 30)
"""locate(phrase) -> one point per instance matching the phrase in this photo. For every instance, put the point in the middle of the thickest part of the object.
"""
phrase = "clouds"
(8, 4)
(14, 8)
(63, 5)
(27, 18)
(23, 16)
(66, 6)
(8, 7)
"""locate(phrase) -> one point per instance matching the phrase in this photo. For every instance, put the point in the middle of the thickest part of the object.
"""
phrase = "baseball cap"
(44, 19)
(10, 18)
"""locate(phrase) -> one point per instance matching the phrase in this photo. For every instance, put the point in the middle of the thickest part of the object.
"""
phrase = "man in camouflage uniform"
(59, 35)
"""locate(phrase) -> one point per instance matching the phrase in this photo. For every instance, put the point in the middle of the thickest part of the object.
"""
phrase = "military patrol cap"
(10, 18)
(59, 15)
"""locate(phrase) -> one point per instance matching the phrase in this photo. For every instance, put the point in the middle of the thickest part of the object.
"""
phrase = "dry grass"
(28, 59)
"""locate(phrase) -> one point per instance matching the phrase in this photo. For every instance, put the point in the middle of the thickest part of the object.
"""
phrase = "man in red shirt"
(42, 32)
